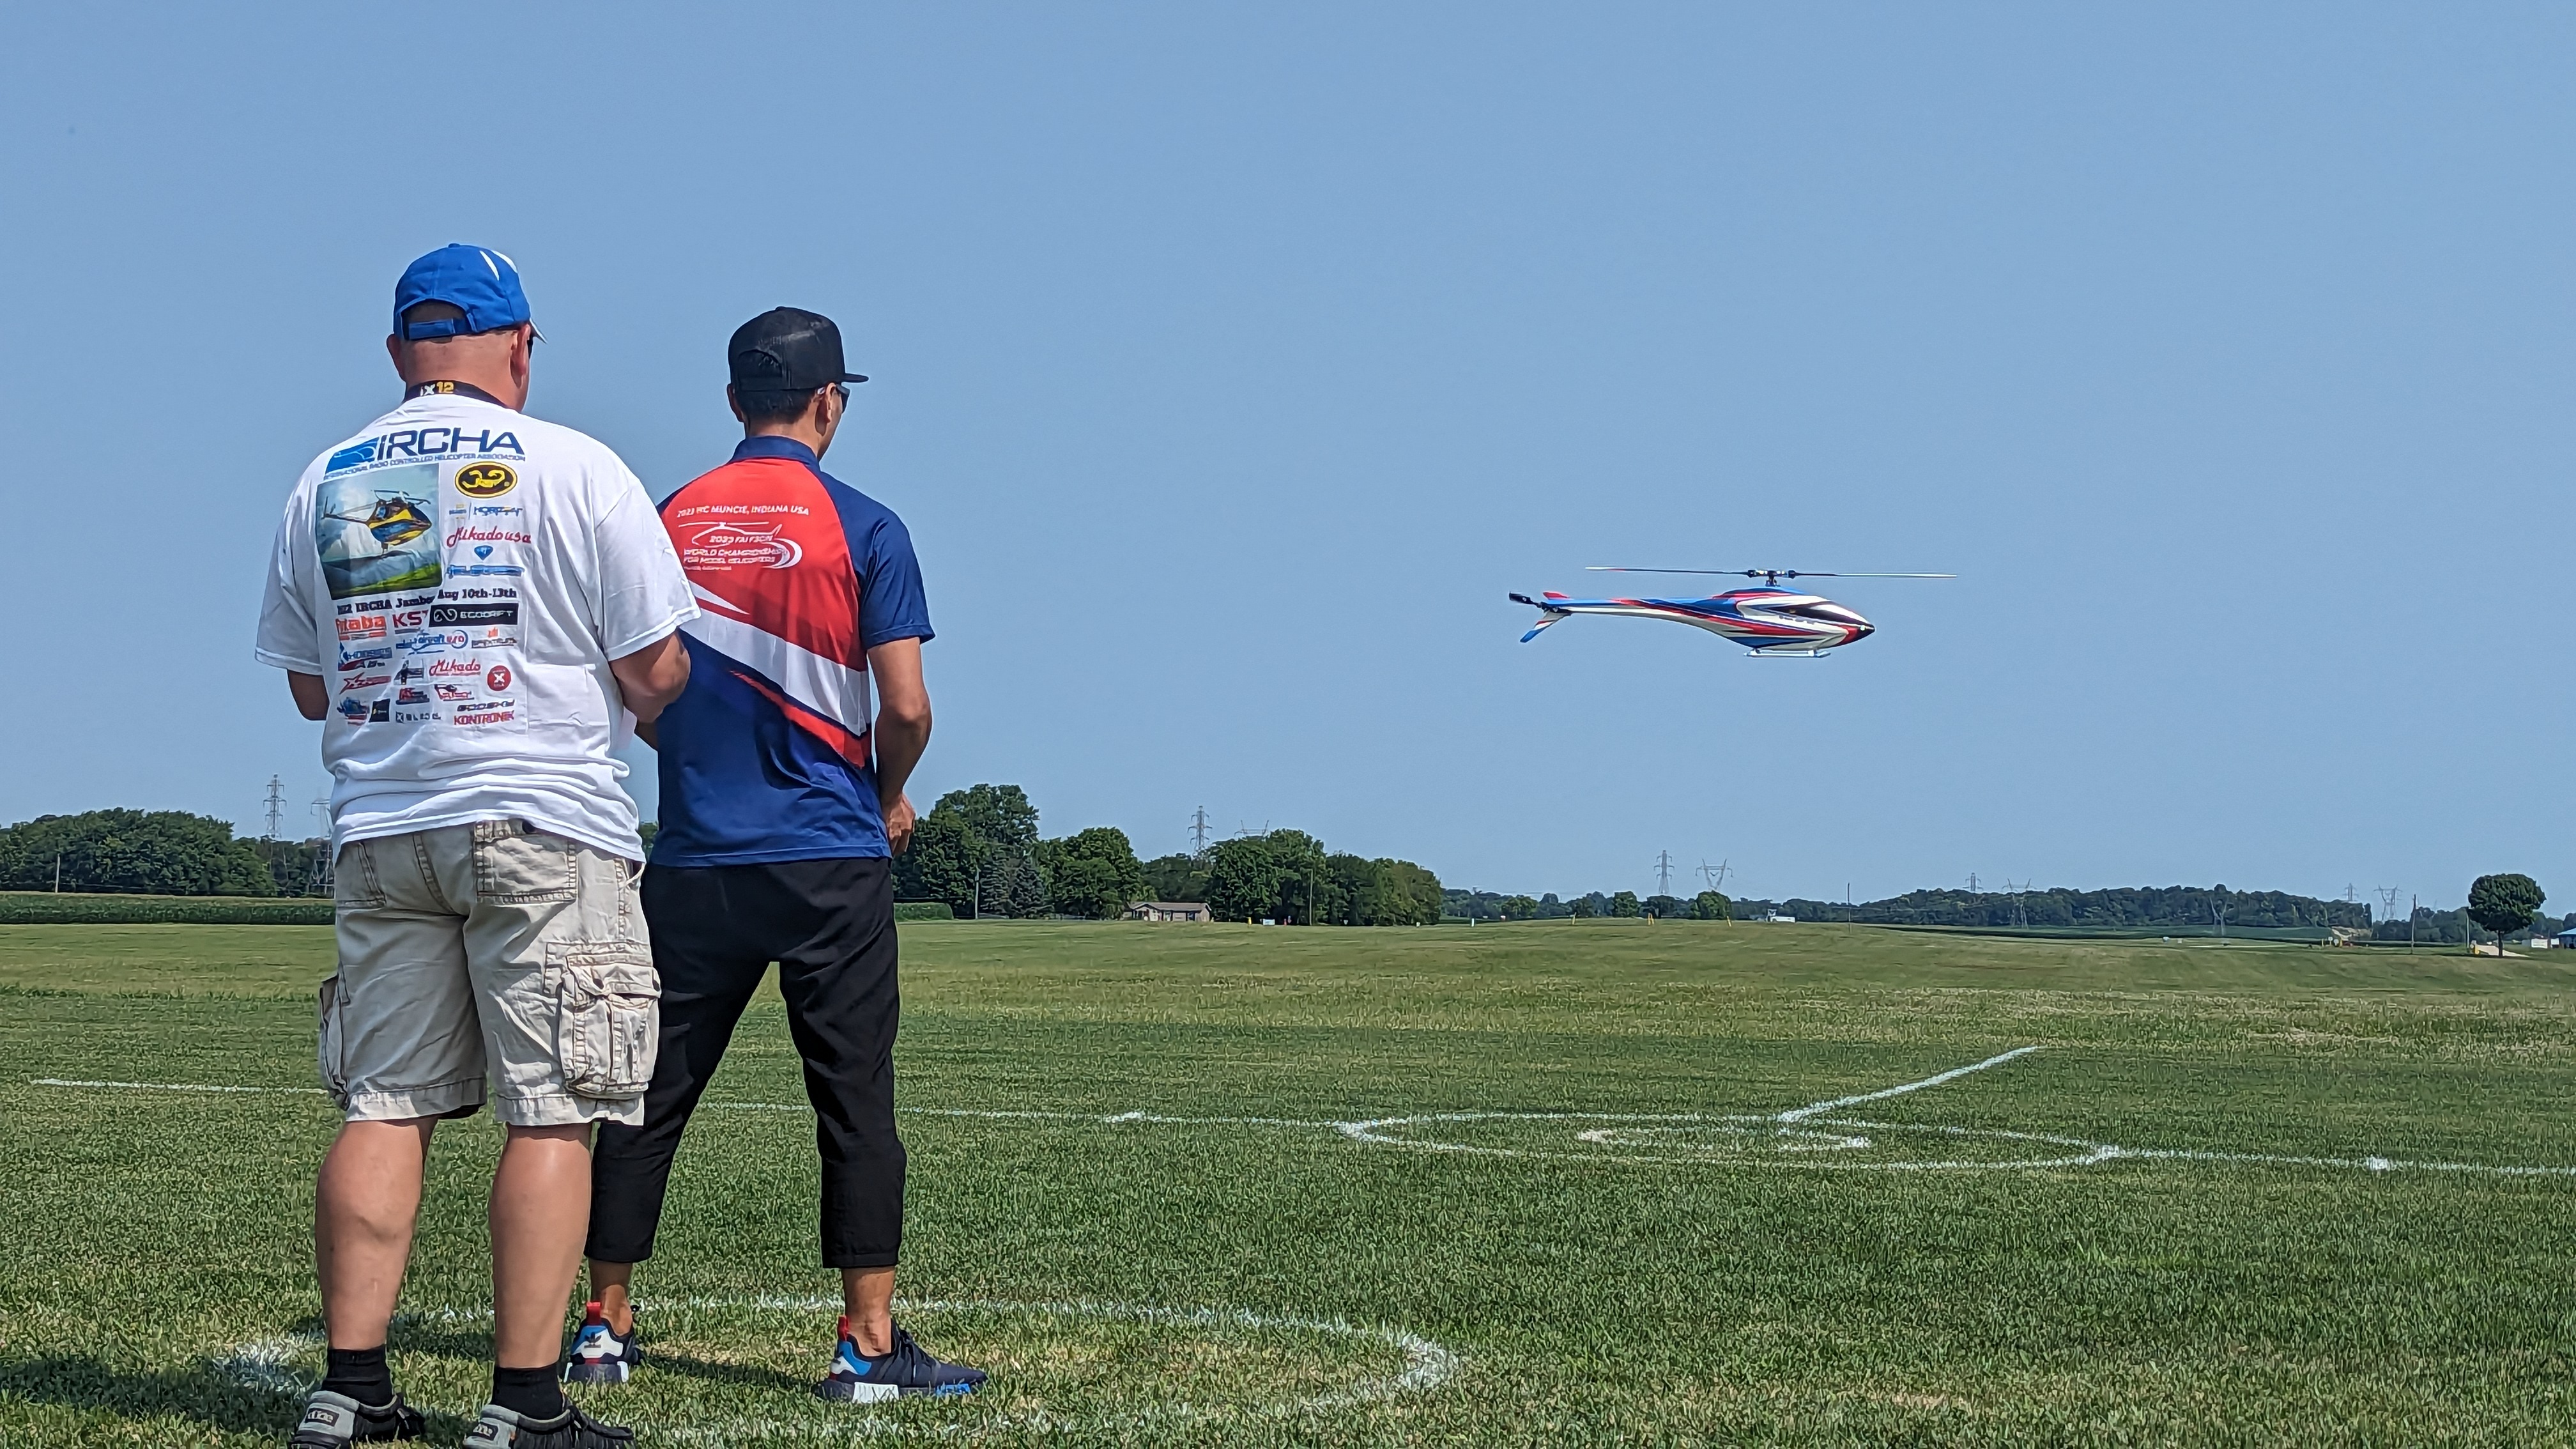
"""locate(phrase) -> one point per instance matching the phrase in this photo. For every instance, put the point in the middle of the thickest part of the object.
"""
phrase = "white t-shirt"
(460, 575)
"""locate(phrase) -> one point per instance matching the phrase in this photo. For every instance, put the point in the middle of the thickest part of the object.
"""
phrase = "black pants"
(829, 924)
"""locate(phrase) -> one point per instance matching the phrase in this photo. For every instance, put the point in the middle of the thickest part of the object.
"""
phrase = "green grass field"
(1593, 1223)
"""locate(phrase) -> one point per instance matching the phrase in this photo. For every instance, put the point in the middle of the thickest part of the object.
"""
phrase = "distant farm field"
(1565, 1182)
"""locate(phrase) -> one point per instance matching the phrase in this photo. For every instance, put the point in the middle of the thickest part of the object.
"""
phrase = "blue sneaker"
(599, 1356)
(904, 1370)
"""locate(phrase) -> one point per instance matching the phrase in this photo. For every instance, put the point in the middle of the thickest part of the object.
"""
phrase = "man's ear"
(734, 402)
(393, 354)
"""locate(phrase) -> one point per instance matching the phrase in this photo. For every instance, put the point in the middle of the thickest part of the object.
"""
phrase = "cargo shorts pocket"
(610, 1022)
(516, 864)
(330, 1050)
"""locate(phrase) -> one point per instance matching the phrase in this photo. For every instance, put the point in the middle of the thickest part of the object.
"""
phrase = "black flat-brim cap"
(787, 349)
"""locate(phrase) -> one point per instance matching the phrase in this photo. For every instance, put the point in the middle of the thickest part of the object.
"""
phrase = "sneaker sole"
(886, 1393)
(596, 1373)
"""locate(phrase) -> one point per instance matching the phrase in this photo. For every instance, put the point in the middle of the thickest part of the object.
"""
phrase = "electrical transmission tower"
(1198, 834)
(1663, 872)
(1972, 882)
(2388, 901)
(268, 839)
(319, 881)
(1715, 875)
(2021, 917)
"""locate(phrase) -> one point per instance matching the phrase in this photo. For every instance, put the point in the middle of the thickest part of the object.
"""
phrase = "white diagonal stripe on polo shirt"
(826, 686)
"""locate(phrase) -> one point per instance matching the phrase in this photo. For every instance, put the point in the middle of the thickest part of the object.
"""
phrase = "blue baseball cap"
(479, 281)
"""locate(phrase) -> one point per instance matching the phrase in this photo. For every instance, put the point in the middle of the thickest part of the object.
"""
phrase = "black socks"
(360, 1374)
(530, 1393)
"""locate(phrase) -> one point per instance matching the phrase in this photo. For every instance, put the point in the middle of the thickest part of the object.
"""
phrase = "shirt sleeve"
(643, 593)
(288, 636)
(891, 605)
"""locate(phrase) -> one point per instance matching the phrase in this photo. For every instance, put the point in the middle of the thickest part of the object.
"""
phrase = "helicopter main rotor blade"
(1762, 573)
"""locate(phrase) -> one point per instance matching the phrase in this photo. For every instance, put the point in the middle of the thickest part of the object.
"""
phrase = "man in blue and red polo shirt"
(782, 805)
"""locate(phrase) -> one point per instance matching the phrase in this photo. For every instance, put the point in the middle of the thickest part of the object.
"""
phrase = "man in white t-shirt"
(478, 606)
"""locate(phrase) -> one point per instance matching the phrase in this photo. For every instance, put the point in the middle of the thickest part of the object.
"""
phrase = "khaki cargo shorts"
(492, 952)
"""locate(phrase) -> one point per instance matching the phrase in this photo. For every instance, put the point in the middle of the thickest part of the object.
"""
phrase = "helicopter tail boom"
(1548, 613)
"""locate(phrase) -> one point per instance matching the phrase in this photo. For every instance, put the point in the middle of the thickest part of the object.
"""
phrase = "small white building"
(1169, 911)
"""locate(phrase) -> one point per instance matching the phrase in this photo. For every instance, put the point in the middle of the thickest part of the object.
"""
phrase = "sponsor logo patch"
(497, 678)
(364, 681)
(455, 669)
(354, 710)
(486, 533)
(487, 715)
(486, 480)
(471, 616)
(409, 695)
(454, 693)
(362, 626)
(741, 545)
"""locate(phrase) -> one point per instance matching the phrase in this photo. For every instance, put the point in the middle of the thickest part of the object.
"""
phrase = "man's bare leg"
(363, 1208)
(540, 1212)
(867, 1297)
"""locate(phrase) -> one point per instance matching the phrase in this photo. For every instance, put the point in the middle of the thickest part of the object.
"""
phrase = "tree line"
(1488, 906)
(155, 852)
(979, 850)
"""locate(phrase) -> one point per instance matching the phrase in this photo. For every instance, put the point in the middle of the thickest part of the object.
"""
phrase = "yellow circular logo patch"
(485, 480)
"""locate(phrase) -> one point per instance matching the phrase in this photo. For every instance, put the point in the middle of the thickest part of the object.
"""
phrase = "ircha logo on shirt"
(485, 480)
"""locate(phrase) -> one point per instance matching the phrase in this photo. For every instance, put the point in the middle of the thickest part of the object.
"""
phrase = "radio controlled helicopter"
(1766, 619)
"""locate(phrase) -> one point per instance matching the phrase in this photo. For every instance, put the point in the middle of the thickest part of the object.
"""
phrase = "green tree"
(2503, 903)
(1267, 877)
(1412, 895)
(1176, 878)
(1244, 879)
(940, 866)
(1581, 908)
(1094, 873)
(1624, 904)
(1710, 906)
(1666, 908)
(157, 852)
(999, 815)
(1519, 908)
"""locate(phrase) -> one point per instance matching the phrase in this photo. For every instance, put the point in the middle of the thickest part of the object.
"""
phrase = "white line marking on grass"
(267, 1364)
(1790, 1132)
(1816, 1108)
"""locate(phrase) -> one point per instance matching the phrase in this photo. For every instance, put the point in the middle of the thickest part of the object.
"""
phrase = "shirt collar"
(771, 445)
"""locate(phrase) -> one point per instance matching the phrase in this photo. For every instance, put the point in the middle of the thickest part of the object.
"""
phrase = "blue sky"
(1233, 362)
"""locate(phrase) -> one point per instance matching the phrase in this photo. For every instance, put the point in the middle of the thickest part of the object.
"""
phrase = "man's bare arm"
(902, 731)
(312, 699)
(652, 676)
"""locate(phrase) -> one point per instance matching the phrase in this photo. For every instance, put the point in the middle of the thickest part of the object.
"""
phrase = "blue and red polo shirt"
(764, 756)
